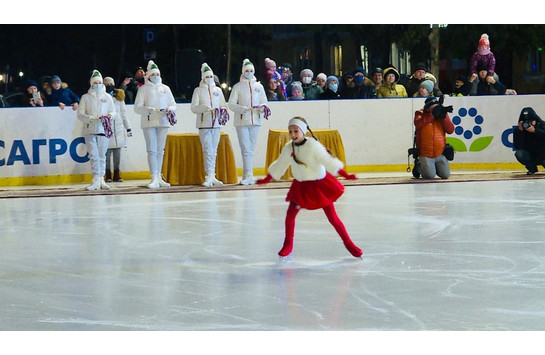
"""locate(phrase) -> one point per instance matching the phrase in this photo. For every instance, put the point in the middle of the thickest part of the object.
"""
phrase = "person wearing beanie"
(482, 55)
(96, 111)
(331, 91)
(121, 129)
(60, 96)
(248, 101)
(419, 75)
(311, 89)
(156, 106)
(431, 127)
(486, 84)
(208, 103)
(270, 69)
(461, 86)
(296, 90)
(31, 96)
(314, 185)
(364, 88)
(320, 80)
(391, 88)
(425, 89)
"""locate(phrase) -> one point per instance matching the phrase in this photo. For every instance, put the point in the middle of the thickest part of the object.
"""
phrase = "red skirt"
(315, 194)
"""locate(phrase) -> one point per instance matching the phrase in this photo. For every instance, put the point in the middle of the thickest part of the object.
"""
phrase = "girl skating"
(313, 185)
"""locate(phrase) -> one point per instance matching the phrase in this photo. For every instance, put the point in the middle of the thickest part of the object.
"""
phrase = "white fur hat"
(96, 75)
(299, 122)
(152, 68)
(246, 64)
(206, 70)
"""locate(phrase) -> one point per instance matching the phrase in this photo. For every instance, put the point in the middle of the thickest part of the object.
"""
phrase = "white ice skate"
(247, 180)
(95, 184)
(103, 184)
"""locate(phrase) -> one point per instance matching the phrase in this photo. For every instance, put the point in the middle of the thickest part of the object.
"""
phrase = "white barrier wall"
(48, 143)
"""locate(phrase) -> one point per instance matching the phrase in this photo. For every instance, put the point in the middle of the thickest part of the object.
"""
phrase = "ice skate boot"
(95, 184)
(208, 181)
(154, 184)
(162, 183)
(103, 185)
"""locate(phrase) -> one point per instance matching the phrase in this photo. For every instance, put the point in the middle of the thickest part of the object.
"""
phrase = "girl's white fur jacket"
(91, 107)
(245, 95)
(315, 156)
(205, 99)
(151, 103)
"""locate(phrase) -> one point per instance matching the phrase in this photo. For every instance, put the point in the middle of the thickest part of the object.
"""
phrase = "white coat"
(120, 125)
(151, 103)
(91, 107)
(245, 95)
(204, 99)
(315, 156)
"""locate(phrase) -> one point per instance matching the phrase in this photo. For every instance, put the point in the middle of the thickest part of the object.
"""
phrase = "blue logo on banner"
(471, 127)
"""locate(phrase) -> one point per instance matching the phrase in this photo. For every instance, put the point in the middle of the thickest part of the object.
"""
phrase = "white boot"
(162, 183)
(95, 184)
(247, 180)
(103, 184)
(216, 182)
(154, 184)
(208, 181)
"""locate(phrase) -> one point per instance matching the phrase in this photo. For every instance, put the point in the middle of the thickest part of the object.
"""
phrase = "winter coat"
(413, 84)
(152, 103)
(392, 90)
(205, 98)
(533, 143)
(317, 161)
(312, 91)
(329, 94)
(120, 122)
(91, 107)
(66, 96)
(431, 133)
(488, 59)
(485, 88)
(245, 96)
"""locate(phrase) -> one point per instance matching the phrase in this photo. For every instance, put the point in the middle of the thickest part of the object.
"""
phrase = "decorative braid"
(171, 115)
(107, 124)
(313, 136)
(222, 114)
(293, 155)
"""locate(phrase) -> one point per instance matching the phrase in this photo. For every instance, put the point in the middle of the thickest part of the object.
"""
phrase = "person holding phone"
(32, 97)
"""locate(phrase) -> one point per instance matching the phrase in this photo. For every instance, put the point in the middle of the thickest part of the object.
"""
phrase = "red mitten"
(265, 180)
(347, 176)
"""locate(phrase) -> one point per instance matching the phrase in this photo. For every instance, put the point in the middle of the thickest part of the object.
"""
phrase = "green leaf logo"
(457, 144)
(480, 144)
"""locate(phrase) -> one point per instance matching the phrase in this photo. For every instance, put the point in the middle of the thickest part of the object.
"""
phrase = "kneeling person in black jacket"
(529, 140)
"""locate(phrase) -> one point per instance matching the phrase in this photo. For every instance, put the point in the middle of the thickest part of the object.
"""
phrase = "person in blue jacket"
(60, 96)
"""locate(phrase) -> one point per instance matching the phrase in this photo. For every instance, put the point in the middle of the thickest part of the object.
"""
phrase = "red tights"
(332, 217)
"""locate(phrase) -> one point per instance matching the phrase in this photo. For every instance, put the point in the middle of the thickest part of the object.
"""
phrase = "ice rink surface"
(465, 256)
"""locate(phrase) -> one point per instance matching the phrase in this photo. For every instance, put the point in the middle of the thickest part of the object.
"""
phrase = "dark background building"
(73, 51)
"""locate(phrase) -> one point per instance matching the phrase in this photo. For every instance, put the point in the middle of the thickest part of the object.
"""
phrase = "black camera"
(441, 111)
(527, 115)
(413, 152)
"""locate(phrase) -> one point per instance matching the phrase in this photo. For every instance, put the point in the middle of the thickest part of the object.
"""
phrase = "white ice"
(437, 256)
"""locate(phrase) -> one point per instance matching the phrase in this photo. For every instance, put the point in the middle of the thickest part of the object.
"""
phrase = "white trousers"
(247, 139)
(210, 139)
(156, 138)
(97, 146)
